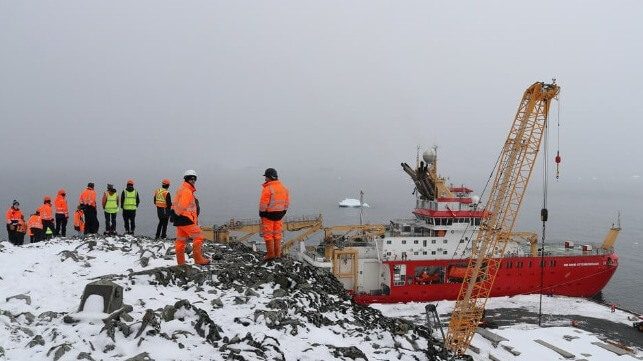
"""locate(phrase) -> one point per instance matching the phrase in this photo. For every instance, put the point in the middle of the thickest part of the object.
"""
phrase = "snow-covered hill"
(239, 308)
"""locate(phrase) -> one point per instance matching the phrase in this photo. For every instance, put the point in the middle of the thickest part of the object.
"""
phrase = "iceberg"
(351, 202)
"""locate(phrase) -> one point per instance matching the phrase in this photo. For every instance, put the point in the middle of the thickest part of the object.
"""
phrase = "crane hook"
(557, 164)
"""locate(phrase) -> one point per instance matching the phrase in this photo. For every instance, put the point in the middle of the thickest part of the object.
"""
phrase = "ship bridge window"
(406, 228)
(429, 221)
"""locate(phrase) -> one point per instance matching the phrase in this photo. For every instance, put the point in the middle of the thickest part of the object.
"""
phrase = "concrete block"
(111, 292)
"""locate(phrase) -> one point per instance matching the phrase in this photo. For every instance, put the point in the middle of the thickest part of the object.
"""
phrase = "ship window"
(424, 252)
(462, 241)
(388, 242)
(542, 264)
(432, 252)
(444, 241)
(424, 243)
(416, 242)
(415, 253)
(518, 264)
(445, 252)
(449, 221)
(477, 222)
(552, 263)
(403, 241)
(406, 229)
(433, 241)
(508, 264)
(529, 264)
(388, 253)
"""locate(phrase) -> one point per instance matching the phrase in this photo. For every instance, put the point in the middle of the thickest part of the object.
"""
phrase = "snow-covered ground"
(239, 309)
(521, 335)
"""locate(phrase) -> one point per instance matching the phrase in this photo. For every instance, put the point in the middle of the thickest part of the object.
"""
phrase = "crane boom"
(511, 178)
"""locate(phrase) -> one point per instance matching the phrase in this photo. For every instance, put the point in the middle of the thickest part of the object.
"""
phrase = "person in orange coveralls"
(273, 205)
(185, 219)
(62, 213)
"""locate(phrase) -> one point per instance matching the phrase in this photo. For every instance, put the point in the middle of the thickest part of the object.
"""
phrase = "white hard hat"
(189, 173)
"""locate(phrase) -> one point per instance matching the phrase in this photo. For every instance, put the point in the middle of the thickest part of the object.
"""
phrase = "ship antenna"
(417, 157)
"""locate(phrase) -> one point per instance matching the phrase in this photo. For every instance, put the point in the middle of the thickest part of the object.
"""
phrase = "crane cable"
(558, 140)
(544, 213)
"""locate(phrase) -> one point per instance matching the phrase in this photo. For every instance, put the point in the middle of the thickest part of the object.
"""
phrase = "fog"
(330, 93)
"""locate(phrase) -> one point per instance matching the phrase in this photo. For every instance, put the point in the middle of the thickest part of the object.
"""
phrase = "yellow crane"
(511, 178)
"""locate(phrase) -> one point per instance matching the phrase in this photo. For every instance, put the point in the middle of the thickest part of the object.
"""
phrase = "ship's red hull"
(574, 276)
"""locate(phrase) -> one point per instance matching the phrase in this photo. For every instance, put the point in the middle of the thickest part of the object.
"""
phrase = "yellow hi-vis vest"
(159, 198)
(129, 204)
(111, 204)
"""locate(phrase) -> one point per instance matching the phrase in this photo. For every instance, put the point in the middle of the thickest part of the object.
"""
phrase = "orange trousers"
(183, 233)
(272, 234)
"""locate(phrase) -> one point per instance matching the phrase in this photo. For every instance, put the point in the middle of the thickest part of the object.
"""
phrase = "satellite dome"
(475, 199)
(429, 156)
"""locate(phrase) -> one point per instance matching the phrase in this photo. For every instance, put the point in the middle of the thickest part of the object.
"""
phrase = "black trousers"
(20, 239)
(91, 220)
(37, 234)
(164, 215)
(61, 225)
(11, 233)
(110, 222)
(48, 224)
(129, 218)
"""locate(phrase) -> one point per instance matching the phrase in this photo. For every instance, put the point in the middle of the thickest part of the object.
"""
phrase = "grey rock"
(38, 340)
(144, 356)
(20, 297)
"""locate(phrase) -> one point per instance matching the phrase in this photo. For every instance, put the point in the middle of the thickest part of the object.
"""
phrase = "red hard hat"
(130, 181)
(166, 181)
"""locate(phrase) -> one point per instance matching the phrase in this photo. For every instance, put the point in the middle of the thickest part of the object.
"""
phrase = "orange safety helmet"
(47, 198)
(130, 181)
(166, 181)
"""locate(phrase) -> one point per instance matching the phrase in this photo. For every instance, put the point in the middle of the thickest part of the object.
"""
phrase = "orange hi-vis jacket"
(34, 222)
(184, 203)
(274, 197)
(160, 197)
(79, 220)
(61, 205)
(13, 215)
(46, 213)
(88, 197)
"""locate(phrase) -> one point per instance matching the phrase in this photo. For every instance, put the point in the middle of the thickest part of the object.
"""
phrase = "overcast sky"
(151, 88)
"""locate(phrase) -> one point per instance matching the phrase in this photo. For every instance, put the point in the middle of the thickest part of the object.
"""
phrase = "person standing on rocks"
(88, 200)
(13, 216)
(185, 219)
(163, 203)
(62, 213)
(129, 203)
(273, 205)
(47, 217)
(110, 206)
